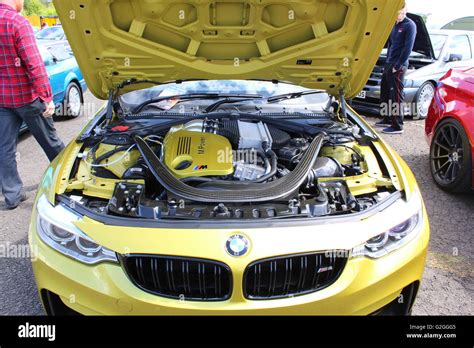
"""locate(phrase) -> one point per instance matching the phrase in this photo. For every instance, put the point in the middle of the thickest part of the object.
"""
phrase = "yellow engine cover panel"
(189, 154)
(117, 167)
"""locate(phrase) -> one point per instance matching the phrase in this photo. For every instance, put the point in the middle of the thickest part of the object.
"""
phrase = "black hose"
(200, 179)
(274, 166)
(109, 154)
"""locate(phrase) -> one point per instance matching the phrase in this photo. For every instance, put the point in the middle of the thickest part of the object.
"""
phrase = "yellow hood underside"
(320, 44)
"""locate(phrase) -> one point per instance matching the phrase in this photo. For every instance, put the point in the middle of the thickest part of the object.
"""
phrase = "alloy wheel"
(423, 102)
(74, 101)
(447, 154)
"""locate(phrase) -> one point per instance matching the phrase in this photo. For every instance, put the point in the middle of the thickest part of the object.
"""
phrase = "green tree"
(37, 8)
(33, 8)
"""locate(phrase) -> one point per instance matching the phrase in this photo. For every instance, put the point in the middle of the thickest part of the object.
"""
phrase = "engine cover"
(189, 154)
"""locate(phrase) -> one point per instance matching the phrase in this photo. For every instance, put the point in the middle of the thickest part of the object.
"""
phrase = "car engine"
(234, 149)
(225, 168)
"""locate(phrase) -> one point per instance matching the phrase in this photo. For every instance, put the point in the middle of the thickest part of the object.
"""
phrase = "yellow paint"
(252, 39)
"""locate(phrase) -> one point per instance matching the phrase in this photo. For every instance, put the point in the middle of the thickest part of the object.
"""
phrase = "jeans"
(392, 96)
(42, 129)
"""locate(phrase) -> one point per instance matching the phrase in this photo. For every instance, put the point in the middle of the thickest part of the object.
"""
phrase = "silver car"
(433, 56)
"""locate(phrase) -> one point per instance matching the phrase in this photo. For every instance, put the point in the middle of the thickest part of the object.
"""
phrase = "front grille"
(181, 278)
(292, 275)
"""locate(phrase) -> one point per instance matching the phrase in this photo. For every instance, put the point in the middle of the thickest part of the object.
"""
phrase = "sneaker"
(383, 124)
(22, 199)
(391, 130)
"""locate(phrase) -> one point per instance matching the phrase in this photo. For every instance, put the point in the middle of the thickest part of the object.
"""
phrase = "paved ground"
(447, 289)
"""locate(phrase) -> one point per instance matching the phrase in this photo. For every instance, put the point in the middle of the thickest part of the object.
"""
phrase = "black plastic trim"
(296, 294)
(267, 223)
(188, 299)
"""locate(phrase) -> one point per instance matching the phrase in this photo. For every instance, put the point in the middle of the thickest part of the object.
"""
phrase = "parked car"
(225, 190)
(51, 35)
(66, 80)
(450, 131)
(433, 56)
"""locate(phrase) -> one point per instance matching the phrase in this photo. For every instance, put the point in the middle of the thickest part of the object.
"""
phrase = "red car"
(450, 131)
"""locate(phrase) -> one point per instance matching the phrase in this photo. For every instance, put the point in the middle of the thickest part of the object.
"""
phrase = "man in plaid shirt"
(25, 96)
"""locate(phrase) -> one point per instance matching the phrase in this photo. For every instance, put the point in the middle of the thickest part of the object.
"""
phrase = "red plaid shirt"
(23, 76)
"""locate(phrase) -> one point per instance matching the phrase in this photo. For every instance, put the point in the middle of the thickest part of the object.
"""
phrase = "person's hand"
(50, 108)
(394, 70)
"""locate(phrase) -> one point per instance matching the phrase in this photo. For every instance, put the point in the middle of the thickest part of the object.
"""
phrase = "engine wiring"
(110, 153)
(119, 159)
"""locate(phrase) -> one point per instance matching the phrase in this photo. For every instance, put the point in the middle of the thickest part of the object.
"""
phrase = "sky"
(442, 11)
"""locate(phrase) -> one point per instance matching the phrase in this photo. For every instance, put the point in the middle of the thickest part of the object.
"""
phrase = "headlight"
(55, 226)
(395, 237)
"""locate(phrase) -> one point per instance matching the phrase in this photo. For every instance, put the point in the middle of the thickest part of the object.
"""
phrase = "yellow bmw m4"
(226, 174)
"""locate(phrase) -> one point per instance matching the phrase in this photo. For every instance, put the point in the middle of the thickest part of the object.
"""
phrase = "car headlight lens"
(55, 226)
(394, 238)
(377, 242)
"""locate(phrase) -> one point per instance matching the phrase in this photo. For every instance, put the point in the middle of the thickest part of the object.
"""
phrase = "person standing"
(25, 96)
(400, 46)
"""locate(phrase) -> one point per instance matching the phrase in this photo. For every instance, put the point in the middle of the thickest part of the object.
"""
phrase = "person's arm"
(410, 36)
(30, 56)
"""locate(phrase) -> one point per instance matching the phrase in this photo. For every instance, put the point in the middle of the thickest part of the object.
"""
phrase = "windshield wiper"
(269, 100)
(295, 95)
(231, 100)
(191, 96)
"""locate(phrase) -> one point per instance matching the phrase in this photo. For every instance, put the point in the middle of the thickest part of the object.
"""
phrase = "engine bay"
(227, 167)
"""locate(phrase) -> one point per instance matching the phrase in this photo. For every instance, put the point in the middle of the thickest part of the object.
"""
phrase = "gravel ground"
(448, 284)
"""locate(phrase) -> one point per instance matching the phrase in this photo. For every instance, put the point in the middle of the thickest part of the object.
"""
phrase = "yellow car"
(226, 175)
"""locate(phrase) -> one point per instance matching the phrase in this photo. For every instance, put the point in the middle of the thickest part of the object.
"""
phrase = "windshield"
(265, 89)
(438, 41)
(50, 33)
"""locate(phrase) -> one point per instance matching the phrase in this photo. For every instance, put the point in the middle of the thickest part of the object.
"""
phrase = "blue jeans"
(42, 129)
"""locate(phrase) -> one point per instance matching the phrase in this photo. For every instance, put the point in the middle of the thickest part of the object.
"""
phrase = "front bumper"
(371, 103)
(365, 286)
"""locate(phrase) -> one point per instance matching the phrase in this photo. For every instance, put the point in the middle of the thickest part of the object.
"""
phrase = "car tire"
(73, 101)
(451, 158)
(422, 100)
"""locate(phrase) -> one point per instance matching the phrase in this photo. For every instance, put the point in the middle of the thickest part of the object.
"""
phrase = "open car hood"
(423, 43)
(320, 44)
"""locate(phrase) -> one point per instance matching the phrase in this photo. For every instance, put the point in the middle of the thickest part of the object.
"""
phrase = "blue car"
(66, 79)
(52, 36)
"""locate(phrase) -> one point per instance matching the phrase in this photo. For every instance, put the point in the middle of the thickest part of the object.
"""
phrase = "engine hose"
(268, 166)
(109, 154)
(273, 166)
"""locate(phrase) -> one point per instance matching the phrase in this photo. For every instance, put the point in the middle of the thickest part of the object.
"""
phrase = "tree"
(37, 8)
(33, 7)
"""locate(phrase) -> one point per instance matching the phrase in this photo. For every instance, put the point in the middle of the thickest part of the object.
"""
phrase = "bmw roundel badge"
(237, 245)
